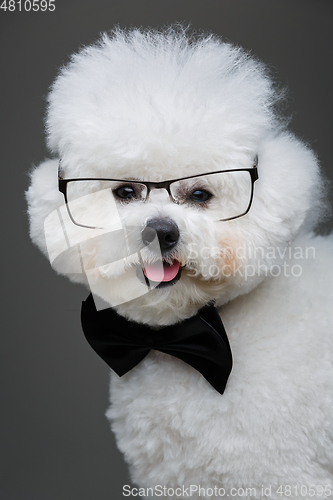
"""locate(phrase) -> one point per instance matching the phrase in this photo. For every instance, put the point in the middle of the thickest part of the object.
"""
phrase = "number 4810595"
(28, 5)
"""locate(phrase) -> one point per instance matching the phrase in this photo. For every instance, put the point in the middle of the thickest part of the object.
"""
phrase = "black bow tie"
(200, 341)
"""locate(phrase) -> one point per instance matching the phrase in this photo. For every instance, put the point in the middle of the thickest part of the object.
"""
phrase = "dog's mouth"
(162, 273)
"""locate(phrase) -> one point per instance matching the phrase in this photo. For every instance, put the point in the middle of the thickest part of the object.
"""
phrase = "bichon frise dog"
(181, 193)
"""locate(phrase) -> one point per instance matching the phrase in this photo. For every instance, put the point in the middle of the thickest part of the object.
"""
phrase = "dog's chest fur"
(273, 423)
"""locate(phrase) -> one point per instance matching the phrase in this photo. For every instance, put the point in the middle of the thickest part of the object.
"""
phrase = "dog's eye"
(125, 193)
(200, 196)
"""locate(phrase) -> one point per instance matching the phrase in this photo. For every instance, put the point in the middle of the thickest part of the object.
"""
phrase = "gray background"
(56, 442)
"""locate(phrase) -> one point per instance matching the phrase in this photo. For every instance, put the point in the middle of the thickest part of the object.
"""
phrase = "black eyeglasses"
(223, 195)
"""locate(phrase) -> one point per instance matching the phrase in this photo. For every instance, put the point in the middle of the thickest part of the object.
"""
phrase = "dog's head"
(159, 141)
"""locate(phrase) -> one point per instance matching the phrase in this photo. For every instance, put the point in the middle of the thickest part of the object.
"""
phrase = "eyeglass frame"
(253, 171)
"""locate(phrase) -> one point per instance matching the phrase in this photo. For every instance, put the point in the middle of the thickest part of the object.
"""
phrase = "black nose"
(166, 230)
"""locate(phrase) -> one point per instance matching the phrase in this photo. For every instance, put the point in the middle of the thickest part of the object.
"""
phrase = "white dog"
(234, 230)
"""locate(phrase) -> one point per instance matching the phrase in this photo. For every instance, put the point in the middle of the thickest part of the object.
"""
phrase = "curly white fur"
(157, 106)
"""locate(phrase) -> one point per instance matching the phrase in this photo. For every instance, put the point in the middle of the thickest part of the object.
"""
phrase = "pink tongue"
(161, 271)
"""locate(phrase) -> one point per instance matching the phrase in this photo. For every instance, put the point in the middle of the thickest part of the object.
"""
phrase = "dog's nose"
(166, 230)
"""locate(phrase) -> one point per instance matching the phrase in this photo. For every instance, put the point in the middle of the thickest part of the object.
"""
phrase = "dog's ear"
(50, 227)
(290, 193)
(43, 198)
